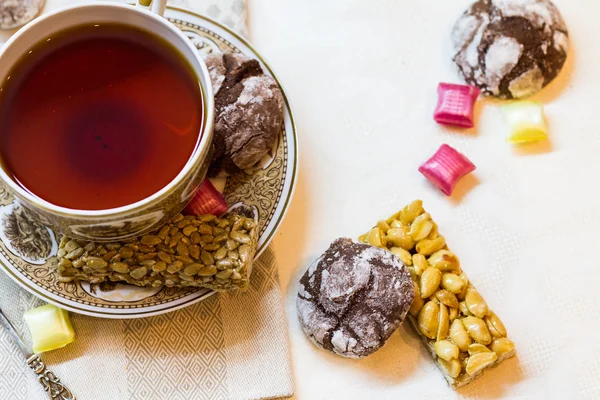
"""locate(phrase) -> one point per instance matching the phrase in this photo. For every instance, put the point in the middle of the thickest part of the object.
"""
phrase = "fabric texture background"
(229, 346)
(362, 77)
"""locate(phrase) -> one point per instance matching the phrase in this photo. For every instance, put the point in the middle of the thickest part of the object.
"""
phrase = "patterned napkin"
(229, 346)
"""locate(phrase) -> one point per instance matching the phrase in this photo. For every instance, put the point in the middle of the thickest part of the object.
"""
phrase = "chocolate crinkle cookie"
(353, 297)
(248, 112)
(15, 13)
(510, 48)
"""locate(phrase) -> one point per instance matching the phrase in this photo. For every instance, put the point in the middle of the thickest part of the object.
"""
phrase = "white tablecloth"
(361, 76)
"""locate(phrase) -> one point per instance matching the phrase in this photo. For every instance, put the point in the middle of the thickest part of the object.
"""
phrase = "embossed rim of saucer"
(274, 219)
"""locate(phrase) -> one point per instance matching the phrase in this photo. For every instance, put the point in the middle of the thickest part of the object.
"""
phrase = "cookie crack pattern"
(353, 298)
(510, 49)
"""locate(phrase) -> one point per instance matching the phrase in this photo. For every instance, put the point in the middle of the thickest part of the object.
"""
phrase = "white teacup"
(147, 214)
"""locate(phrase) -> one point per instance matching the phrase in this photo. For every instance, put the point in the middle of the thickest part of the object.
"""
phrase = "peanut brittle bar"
(462, 333)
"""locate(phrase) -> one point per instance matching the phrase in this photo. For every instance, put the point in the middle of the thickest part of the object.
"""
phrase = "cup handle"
(156, 6)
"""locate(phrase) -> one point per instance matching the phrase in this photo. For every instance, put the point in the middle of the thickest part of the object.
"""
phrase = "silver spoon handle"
(49, 381)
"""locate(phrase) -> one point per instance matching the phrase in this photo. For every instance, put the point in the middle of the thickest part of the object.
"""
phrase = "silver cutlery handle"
(49, 381)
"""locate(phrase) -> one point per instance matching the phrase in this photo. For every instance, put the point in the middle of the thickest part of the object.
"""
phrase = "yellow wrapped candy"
(50, 328)
(525, 121)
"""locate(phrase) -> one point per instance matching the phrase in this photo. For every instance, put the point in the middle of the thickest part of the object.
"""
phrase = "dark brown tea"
(99, 117)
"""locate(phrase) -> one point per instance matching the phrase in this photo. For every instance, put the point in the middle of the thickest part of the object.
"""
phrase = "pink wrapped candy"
(455, 105)
(208, 200)
(446, 167)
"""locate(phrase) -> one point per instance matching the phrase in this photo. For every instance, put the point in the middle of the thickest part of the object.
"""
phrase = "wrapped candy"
(208, 200)
(446, 167)
(50, 328)
(455, 105)
(525, 121)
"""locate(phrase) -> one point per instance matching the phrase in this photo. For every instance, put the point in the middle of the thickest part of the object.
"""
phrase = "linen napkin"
(229, 346)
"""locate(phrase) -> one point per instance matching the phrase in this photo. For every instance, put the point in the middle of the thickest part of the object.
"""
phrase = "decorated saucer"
(28, 250)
